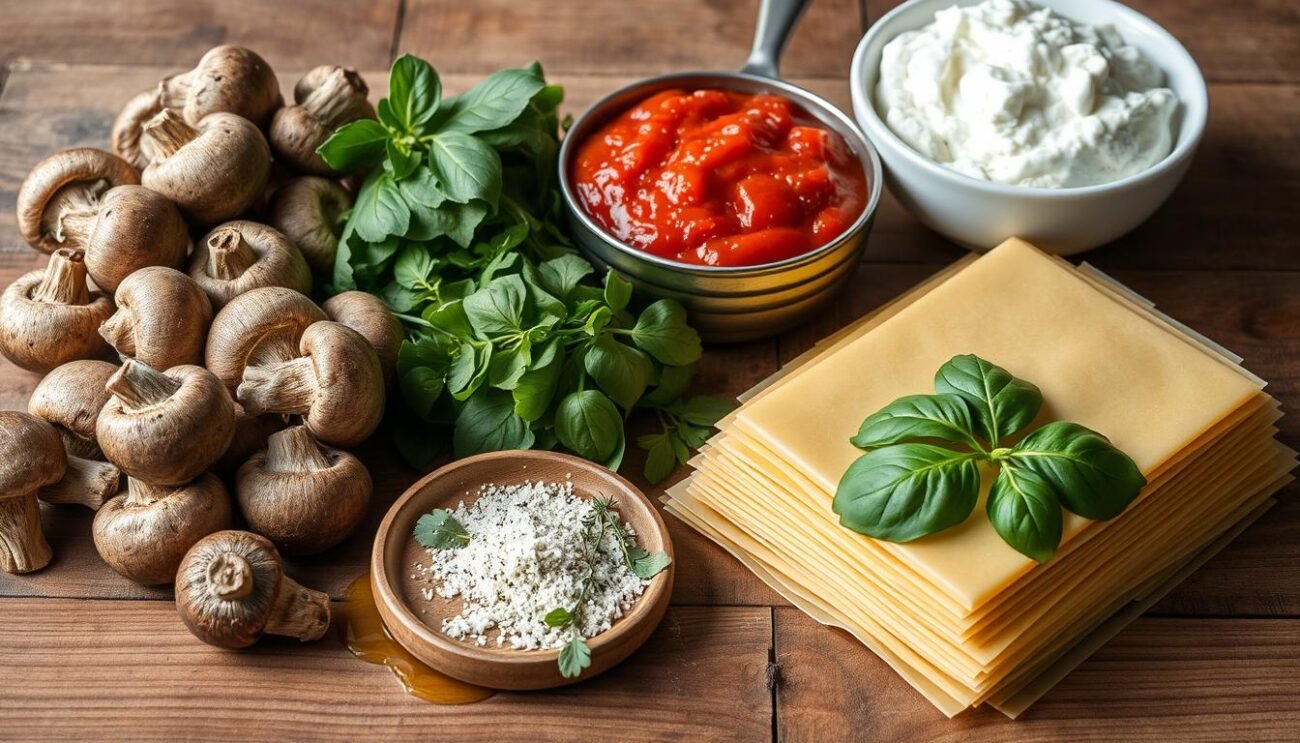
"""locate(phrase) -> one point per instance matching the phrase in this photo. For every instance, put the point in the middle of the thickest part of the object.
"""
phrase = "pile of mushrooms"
(192, 383)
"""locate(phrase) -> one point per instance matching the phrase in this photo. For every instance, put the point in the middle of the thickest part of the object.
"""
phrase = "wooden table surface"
(85, 654)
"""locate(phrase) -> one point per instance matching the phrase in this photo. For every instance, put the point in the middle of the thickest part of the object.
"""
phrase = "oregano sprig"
(906, 487)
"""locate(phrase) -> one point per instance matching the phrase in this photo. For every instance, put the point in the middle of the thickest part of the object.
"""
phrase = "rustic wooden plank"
(1242, 41)
(646, 37)
(176, 32)
(129, 670)
(1160, 680)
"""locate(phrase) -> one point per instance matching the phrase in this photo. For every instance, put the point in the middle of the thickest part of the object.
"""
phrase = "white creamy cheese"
(1013, 93)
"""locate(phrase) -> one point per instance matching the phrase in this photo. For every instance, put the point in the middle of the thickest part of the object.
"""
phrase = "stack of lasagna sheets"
(963, 617)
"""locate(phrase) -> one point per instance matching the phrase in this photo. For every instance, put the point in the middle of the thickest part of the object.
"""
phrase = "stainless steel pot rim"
(819, 107)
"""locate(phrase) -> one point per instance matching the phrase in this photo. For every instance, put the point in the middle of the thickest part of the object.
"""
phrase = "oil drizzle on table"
(362, 631)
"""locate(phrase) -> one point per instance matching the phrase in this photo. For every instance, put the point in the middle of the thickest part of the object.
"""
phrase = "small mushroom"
(58, 203)
(260, 327)
(70, 398)
(335, 384)
(241, 255)
(129, 125)
(213, 169)
(87, 199)
(231, 589)
(369, 316)
(31, 457)
(144, 534)
(251, 434)
(162, 318)
(309, 211)
(49, 316)
(303, 496)
(327, 98)
(229, 79)
(165, 427)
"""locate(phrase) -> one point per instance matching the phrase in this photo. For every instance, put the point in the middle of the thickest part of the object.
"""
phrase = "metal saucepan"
(747, 302)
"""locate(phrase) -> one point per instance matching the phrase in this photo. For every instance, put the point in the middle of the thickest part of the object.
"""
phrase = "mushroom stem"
(119, 331)
(23, 548)
(64, 281)
(230, 577)
(141, 493)
(299, 612)
(168, 132)
(294, 450)
(140, 386)
(336, 101)
(229, 254)
(75, 209)
(288, 387)
(87, 482)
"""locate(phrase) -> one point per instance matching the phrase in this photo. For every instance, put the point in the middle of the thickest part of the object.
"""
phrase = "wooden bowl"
(415, 622)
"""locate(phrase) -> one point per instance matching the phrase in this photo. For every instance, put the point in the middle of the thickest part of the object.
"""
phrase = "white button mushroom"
(31, 457)
(213, 169)
(144, 534)
(231, 588)
(369, 316)
(229, 79)
(240, 256)
(70, 398)
(259, 327)
(49, 316)
(162, 318)
(309, 211)
(328, 97)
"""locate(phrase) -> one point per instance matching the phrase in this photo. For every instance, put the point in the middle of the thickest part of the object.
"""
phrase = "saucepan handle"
(776, 19)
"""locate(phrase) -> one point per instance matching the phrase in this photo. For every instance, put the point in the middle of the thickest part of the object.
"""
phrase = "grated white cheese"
(525, 558)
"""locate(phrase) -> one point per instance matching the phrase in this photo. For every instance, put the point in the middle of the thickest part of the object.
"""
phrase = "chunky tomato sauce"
(719, 178)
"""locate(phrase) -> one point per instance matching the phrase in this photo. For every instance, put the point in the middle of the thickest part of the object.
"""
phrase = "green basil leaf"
(1002, 404)
(693, 436)
(466, 168)
(507, 367)
(493, 103)
(380, 210)
(660, 460)
(413, 266)
(674, 381)
(498, 308)
(559, 276)
(536, 388)
(421, 188)
(575, 657)
(621, 371)
(450, 318)
(1025, 512)
(414, 92)
(662, 332)
(618, 291)
(587, 423)
(488, 423)
(468, 370)
(649, 565)
(355, 146)
(942, 416)
(907, 491)
(706, 411)
(558, 617)
(421, 387)
(1090, 476)
(401, 161)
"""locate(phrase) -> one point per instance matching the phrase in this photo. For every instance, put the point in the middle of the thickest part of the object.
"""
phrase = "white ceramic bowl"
(979, 214)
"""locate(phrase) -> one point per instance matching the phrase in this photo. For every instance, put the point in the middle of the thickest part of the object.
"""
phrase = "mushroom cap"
(42, 195)
(254, 322)
(369, 316)
(295, 134)
(251, 433)
(31, 454)
(349, 401)
(309, 211)
(144, 539)
(162, 318)
(226, 587)
(273, 261)
(229, 79)
(39, 336)
(129, 125)
(304, 511)
(171, 441)
(327, 98)
(217, 175)
(135, 228)
(70, 397)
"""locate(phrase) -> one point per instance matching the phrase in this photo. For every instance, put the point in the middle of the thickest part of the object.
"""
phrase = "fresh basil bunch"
(511, 344)
(902, 489)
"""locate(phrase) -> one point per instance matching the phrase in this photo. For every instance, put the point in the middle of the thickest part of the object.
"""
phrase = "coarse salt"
(526, 557)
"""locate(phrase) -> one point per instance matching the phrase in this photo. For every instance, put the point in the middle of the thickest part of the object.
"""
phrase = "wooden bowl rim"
(390, 598)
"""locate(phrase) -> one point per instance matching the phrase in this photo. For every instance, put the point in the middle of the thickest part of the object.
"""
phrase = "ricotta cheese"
(1012, 93)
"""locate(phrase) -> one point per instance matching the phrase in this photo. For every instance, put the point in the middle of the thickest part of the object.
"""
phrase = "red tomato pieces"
(718, 178)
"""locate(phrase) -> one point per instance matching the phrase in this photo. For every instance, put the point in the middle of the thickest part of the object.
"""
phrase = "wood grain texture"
(129, 670)
(622, 37)
(1240, 41)
(301, 34)
(1160, 680)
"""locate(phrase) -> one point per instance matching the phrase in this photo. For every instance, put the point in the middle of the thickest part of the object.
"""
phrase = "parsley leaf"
(440, 530)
